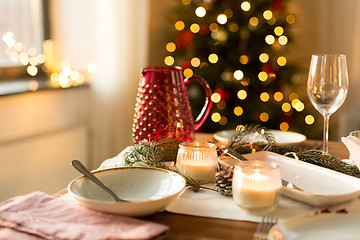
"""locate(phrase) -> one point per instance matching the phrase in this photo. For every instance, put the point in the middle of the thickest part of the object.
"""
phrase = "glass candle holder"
(197, 160)
(256, 185)
(356, 134)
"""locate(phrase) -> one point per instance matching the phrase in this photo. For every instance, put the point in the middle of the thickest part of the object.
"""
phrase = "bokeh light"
(309, 119)
(170, 47)
(200, 12)
(242, 94)
(245, 6)
(238, 111)
(222, 19)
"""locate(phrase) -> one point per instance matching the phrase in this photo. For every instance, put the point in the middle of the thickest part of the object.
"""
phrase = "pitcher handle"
(200, 119)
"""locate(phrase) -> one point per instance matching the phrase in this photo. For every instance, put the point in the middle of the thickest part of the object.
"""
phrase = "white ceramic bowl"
(148, 190)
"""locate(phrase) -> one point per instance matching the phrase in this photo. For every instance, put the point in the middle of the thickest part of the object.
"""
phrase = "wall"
(41, 132)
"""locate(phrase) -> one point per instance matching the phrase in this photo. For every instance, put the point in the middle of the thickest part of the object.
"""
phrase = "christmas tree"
(240, 49)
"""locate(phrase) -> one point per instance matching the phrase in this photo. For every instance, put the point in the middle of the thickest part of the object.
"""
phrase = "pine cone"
(223, 180)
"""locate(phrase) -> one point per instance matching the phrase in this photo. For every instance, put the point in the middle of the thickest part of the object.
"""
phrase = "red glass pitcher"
(162, 106)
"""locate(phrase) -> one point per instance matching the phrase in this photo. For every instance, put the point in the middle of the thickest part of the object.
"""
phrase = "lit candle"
(197, 160)
(256, 185)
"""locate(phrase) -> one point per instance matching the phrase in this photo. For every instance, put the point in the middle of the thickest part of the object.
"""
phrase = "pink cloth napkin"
(40, 216)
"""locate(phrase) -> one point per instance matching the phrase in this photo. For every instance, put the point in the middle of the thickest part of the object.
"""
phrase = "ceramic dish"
(321, 186)
(313, 227)
(282, 138)
(148, 190)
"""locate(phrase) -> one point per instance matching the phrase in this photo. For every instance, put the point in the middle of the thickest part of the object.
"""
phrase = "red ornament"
(278, 5)
(185, 40)
(204, 29)
(185, 64)
(267, 68)
(225, 95)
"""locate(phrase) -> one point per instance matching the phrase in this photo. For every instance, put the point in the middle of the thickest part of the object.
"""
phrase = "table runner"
(207, 203)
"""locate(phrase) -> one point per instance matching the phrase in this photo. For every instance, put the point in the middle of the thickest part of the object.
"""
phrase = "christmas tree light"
(240, 49)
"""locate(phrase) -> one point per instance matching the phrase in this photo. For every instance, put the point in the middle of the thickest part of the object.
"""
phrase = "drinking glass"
(327, 86)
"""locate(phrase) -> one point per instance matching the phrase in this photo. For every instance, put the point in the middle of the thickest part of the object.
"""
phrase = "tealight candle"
(197, 160)
(256, 185)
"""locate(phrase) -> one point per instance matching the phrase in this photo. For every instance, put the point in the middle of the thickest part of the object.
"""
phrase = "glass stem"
(326, 133)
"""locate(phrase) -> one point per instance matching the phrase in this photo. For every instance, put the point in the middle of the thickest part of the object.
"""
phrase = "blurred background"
(69, 72)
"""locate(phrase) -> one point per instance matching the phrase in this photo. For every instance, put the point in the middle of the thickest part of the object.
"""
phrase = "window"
(21, 20)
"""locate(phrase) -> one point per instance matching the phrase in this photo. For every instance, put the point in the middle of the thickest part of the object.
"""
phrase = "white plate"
(333, 226)
(281, 138)
(322, 187)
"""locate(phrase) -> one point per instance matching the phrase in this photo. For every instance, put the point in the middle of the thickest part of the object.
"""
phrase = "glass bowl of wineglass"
(327, 86)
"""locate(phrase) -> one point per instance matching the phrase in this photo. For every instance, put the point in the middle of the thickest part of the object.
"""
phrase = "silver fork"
(264, 227)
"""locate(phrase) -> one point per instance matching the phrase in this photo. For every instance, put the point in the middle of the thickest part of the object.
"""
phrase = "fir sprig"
(157, 154)
(244, 135)
(153, 154)
(241, 144)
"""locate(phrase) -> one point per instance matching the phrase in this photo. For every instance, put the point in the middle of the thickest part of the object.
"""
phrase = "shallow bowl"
(147, 190)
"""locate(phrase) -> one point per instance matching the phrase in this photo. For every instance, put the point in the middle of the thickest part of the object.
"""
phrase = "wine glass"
(327, 86)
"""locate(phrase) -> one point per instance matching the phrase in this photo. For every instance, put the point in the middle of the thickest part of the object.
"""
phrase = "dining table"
(190, 227)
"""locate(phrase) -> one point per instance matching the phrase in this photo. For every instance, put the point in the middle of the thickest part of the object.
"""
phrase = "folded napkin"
(41, 216)
(353, 145)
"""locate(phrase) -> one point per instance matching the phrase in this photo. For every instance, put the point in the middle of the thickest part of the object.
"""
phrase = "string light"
(221, 105)
(170, 47)
(223, 120)
(238, 111)
(245, 6)
(293, 96)
(264, 57)
(200, 12)
(233, 27)
(264, 97)
(179, 25)
(309, 119)
(290, 19)
(195, 62)
(222, 19)
(278, 31)
(213, 58)
(242, 94)
(229, 13)
(66, 77)
(284, 126)
(215, 117)
(186, 2)
(254, 21)
(281, 61)
(283, 40)
(269, 39)
(194, 28)
(213, 27)
(264, 117)
(169, 60)
(278, 96)
(286, 107)
(243, 59)
(215, 97)
(238, 74)
(267, 14)
(188, 72)
(263, 76)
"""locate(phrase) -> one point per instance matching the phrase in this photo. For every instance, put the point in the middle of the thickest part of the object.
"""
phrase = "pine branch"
(153, 154)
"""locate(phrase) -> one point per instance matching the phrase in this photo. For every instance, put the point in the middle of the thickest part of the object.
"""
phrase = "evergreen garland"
(240, 143)
(160, 154)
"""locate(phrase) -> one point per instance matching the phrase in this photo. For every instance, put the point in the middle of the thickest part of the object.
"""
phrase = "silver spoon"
(81, 168)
